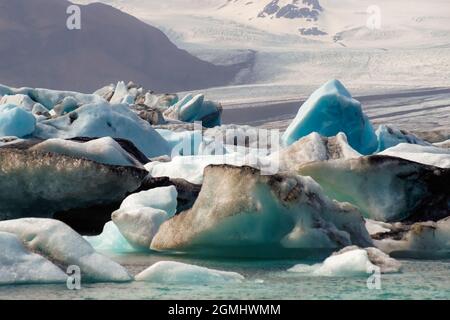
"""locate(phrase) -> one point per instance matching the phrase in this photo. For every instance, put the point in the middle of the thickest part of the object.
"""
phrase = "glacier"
(171, 272)
(330, 110)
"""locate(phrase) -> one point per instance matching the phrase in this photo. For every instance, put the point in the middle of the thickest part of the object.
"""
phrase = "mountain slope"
(39, 51)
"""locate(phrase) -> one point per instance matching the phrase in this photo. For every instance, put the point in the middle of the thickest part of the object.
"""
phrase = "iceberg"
(105, 150)
(63, 246)
(389, 137)
(423, 240)
(15, 121)
(196, 108)
(240, 212)
(312, 148)
(111, 241)
(330, 110)
(41, 184)
(19, 100)
(351, 261)
(105, 120)
(172, 272)
(141, 214)
(385, 188)
(429, 155)
(50, 98)
(19, 266)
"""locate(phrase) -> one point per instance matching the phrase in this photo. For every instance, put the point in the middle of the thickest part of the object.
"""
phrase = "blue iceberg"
(330, 110)
(15, 121)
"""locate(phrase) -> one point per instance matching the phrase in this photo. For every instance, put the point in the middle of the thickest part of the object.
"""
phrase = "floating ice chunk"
(62, 245)
(111, 240)
(104, 150)
(330, 110)
(423, 240)
(240, 212)
(139, 225)
(314, 147)
(19, 266)
(390, 137)
(196, 108)
(184, 143)
(429, 155)
(15, 121)
(385, 188)
(104, 120)
(351, 261)
(141, 214)
(181, 273)
(51, 183)
(164, 198)
(19, 100)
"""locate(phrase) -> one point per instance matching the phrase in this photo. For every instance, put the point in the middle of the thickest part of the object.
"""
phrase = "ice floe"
(181, 273)
(111, 240)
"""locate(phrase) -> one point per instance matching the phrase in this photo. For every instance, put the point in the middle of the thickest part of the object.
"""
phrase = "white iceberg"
(105, 120)
(330, 110)
(19, 266)
(429, 155)
(60, 244)
(141, 214)
(21, 100)
(104, 150)
(15, 121)
(351, 261)
(180, 273)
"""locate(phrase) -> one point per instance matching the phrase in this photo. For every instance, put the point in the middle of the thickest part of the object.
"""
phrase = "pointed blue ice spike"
(330, 110)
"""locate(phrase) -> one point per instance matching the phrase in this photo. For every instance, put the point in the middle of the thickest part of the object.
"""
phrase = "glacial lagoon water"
(265, 279)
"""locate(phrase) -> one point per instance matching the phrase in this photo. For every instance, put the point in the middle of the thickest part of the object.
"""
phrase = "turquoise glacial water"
(266, 279)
